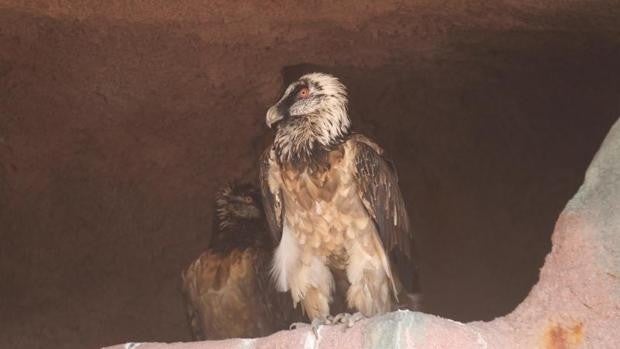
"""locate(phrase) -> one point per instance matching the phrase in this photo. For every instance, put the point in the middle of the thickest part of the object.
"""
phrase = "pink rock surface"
(575, 304)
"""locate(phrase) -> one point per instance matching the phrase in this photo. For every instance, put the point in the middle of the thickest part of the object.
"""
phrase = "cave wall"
(118, 121)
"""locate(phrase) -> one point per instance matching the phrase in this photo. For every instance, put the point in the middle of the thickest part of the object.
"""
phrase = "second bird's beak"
(273, 116)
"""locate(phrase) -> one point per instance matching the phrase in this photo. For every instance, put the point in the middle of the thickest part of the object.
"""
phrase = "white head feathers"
(311, 114)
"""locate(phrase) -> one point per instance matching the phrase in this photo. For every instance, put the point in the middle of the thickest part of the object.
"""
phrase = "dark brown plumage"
(227, 288)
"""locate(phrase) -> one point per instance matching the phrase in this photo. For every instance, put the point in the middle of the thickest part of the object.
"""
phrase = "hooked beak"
(273, 116)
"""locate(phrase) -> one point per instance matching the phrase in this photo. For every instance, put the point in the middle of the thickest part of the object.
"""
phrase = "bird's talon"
(316, 323)
(297, 325)
(346, 319)
(354, 318)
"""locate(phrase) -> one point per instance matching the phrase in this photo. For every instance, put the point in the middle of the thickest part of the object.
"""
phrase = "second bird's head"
(238, 202)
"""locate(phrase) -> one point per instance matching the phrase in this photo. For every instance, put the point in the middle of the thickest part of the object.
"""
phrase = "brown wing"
(272, 200)
(381, 195)
(229, 296)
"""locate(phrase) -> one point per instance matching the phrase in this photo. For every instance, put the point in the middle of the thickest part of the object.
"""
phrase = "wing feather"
(378, 185)
(272, 197)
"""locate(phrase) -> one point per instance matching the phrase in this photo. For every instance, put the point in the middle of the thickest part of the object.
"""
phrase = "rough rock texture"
(576, 303)
(119, 120)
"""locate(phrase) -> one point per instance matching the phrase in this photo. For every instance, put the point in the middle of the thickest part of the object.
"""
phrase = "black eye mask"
(286, 104)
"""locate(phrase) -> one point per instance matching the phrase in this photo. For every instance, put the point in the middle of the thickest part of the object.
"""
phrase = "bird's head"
(312, 112)
(236, 203)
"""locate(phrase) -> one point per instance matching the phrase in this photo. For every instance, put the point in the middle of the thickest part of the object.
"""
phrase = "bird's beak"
(273, 116)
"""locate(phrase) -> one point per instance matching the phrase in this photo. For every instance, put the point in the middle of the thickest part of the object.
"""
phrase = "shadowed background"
(119, 121)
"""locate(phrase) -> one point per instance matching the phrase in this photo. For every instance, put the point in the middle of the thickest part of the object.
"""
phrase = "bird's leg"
(315, 304)
(346, 318)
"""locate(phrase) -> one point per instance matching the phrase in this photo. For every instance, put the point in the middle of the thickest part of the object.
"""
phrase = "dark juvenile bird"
(227, 289)
(334, 205)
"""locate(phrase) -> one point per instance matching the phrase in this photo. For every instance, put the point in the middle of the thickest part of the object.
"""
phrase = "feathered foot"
(315, 324)
(346, 318)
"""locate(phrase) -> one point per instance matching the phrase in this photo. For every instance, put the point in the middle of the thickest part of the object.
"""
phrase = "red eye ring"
(303, 93)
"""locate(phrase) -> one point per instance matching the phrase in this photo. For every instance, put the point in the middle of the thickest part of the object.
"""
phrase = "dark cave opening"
(116, 128)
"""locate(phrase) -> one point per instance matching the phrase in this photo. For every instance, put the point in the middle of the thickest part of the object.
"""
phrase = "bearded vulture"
(334, 208)
(227, 289)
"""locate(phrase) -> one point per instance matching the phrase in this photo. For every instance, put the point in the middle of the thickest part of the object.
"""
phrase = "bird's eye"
(247, 199)
(303, 93)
